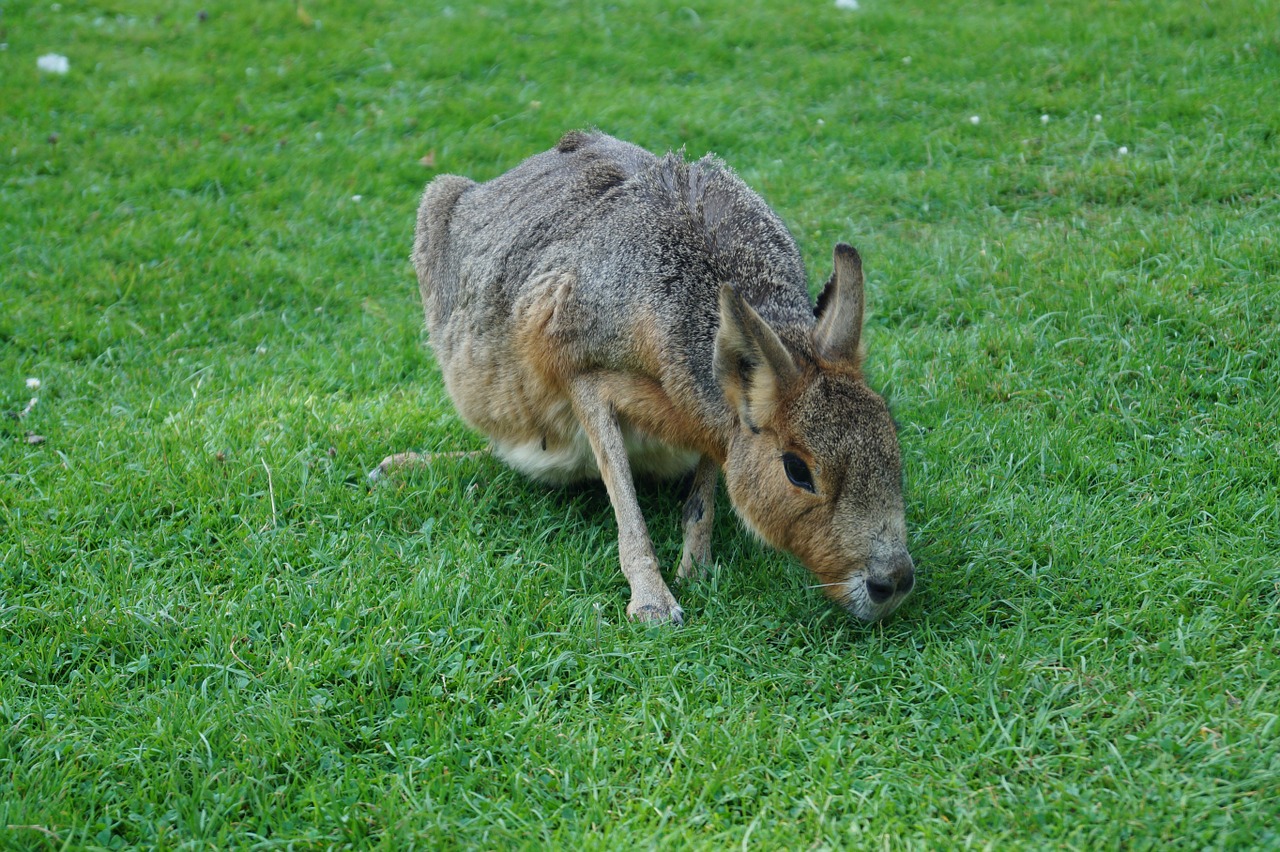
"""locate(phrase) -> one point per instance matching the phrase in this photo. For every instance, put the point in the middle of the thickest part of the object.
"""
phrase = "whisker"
(826, 585)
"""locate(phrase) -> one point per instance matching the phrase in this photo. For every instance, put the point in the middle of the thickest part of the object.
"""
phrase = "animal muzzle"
(885, 584)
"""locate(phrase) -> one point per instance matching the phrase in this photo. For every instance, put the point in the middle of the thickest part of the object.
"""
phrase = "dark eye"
(798, 472)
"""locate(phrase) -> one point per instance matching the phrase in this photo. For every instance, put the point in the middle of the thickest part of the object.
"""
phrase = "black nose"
(879, 591)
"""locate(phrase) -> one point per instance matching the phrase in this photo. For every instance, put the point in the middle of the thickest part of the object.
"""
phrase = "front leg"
(699, 511)
(651, 600)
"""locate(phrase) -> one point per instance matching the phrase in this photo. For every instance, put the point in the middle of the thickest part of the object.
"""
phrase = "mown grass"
(212, 634)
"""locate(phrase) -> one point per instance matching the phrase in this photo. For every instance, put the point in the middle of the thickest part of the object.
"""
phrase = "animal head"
(813, 466)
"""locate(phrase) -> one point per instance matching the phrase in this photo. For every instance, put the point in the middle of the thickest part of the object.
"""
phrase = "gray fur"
(598, 309)
(638, 231)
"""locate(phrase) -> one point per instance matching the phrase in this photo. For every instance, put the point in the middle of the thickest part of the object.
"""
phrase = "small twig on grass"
(40, 828)
(271, 490)
(250, 668)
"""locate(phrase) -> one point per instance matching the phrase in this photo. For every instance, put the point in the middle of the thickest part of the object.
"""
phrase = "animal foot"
(392, 463)
(401, 461)
(691, 569)
(657, 613)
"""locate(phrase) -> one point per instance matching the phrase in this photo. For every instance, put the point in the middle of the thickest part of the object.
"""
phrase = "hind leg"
(401, 461)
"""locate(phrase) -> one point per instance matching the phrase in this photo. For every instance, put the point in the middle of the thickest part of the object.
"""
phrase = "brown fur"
(597, 310)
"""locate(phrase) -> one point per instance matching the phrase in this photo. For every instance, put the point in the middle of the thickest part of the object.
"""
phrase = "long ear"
(839, 309)
(751, 363)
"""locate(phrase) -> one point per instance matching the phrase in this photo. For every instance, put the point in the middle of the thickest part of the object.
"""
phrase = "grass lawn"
(213, 635)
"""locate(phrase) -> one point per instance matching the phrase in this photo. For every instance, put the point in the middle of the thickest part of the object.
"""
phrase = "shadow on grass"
(481, 497)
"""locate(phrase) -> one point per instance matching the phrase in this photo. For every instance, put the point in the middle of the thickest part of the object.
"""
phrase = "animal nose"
(899, 582)
(879, 591)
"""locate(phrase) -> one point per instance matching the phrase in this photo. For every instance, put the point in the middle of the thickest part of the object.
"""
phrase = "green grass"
(212, 635)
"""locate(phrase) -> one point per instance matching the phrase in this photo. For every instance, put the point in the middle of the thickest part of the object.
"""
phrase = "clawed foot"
(657, 612)
(393, 463)
(398, 462)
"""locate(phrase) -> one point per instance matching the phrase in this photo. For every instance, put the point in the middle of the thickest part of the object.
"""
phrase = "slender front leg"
(699, 511)
(651, 600)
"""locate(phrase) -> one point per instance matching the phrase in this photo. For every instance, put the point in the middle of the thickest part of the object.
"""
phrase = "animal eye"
(798, 472)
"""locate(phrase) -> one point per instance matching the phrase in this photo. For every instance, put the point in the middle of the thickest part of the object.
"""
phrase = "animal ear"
(751, 363)
(839, 309)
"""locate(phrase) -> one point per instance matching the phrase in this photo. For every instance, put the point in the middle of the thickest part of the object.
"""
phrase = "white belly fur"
(573, 461)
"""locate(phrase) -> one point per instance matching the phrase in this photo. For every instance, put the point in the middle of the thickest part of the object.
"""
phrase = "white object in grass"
(851, 5)
(33, 384)
(54, 63)
(973, 119)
